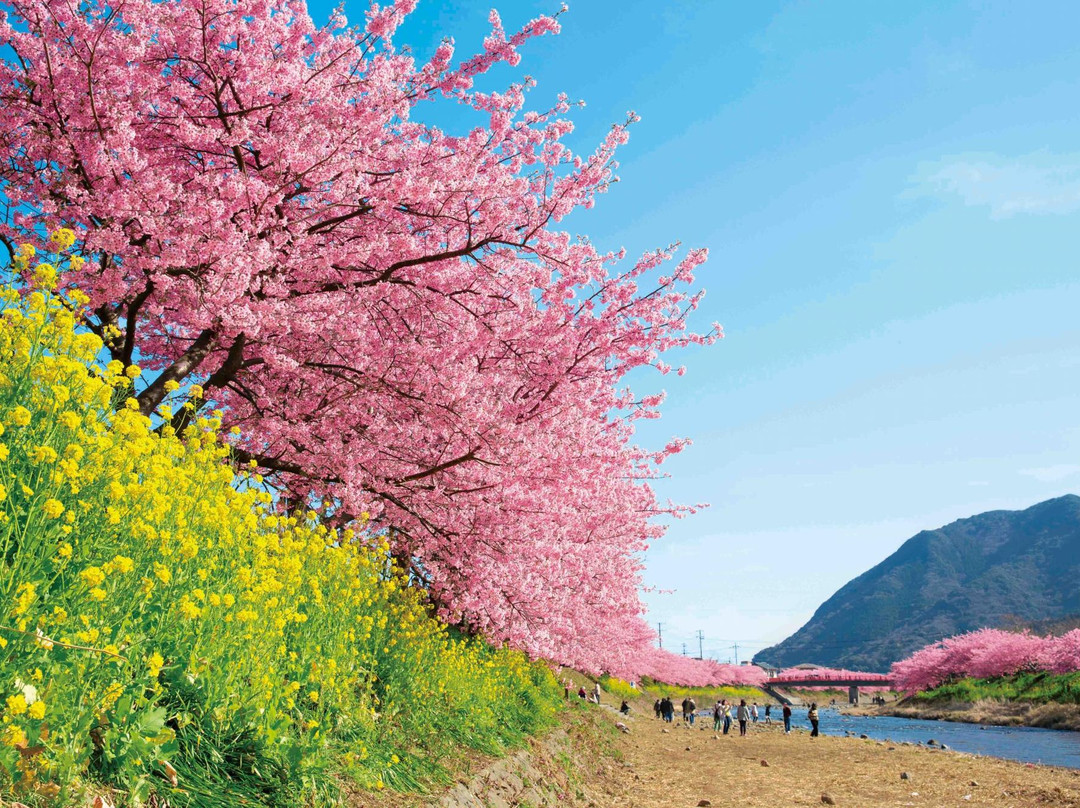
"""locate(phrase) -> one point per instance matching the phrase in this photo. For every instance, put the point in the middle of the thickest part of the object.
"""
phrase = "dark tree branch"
(152, 396)
(132, 322)
(234, 361)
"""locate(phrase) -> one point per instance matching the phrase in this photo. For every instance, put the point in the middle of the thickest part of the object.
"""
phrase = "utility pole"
(700, 641)
(736, 647)
(684, 649)
(660, 634)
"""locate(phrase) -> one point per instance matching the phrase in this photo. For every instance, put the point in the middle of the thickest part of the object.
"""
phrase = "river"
(1051, 747)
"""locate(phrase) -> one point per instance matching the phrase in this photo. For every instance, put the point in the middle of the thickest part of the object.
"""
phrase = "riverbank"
(995, 712)
(588, 762)
(684, 766)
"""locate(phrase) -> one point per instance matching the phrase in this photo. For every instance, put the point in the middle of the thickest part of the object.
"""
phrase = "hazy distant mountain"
(1001, 568)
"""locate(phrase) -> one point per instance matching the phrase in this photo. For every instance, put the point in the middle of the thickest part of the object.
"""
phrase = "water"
(1051, 747)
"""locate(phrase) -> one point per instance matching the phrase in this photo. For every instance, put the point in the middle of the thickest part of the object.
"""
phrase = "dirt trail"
(683, 766)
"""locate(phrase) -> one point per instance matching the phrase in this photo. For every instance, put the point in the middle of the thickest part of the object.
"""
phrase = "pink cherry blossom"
(388, 311)
(987, 653)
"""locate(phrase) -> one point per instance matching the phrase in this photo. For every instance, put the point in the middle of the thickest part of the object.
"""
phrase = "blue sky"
(890, 194)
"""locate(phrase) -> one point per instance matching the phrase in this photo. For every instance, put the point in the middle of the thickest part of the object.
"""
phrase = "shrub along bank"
(165, 629)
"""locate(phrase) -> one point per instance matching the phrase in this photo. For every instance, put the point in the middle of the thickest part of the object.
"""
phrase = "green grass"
(1034, 687)
(702, 695)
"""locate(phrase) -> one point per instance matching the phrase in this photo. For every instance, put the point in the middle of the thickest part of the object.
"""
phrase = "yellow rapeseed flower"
(24, 598)
(20, 416)
(53, 508)
(93, 576)
(63, 238)
(14, 736)
(16, 705)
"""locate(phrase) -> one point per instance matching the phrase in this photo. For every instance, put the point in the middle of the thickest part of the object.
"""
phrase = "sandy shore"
(684, 766)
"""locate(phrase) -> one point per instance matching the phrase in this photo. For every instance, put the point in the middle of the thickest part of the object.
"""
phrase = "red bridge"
(852, 680)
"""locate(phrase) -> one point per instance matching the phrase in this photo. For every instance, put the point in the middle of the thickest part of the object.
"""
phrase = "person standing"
(693, 709)
(656, 707)
(686, 711)
(596, 693)
(813, 716)
(787, 719)
(768, 713)
(753, 713)
(727, 717)
(718, 716)
(744, 716)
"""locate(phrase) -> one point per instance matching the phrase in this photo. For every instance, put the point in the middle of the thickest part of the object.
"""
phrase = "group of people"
(665, 709)
(594, 696)
(722, 711)
(583, 694)
(722, 714)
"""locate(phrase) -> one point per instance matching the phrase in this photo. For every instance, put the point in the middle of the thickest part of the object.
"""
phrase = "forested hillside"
(1000, 568)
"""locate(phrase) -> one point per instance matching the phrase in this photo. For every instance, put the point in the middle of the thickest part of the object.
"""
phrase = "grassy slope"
(1039, 688)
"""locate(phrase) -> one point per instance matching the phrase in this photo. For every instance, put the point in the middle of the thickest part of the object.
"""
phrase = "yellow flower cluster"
(136, 564)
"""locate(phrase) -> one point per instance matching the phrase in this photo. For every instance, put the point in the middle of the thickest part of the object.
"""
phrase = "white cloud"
(1037, 183)
(1051, 474)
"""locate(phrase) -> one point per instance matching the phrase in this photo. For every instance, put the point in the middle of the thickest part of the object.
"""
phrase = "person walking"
(718, 716)
(656, 707)
(768, 713)
(596, 693)
(693, 709)
(813, 716)
(754, 713)
(624, 708)
(727, 717)
(787, 719)
(667, 708)
(744, 716)
(686, 711)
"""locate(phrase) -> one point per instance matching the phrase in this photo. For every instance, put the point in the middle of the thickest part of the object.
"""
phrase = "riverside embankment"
(991, 712)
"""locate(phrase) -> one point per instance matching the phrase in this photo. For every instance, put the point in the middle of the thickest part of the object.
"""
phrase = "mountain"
(998, 569)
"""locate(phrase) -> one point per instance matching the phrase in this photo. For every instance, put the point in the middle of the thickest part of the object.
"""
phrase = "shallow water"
(1051, 747)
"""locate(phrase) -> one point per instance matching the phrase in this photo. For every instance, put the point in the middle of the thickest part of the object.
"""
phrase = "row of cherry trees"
(664, 666)
(985, 654)
(388, 312)
(827, 675)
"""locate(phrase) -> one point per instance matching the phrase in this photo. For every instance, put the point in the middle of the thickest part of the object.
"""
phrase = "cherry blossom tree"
(388, 312)
(827, 675)
(984, 654)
